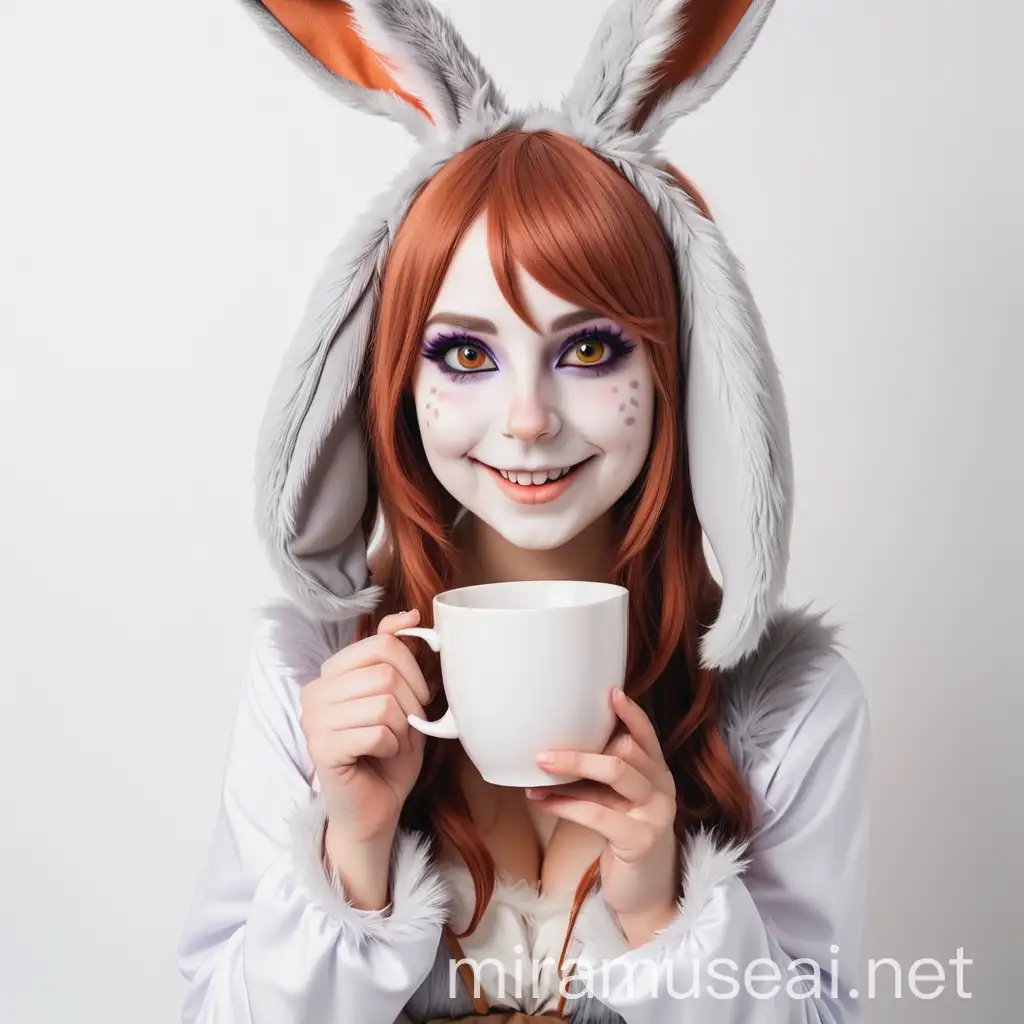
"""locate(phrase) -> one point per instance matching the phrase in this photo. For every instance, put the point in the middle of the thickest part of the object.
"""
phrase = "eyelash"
(437, 348)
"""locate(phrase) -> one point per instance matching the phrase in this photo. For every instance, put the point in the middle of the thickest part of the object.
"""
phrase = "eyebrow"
(484, 326)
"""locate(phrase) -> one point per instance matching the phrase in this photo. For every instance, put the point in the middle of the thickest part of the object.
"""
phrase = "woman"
(538, 360)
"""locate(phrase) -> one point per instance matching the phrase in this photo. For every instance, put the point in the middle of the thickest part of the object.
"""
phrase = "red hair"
(575, 225)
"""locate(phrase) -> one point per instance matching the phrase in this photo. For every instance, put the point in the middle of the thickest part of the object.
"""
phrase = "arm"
(785, 899)
(269, 938)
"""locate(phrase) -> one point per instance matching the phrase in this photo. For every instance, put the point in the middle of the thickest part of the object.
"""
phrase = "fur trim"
(707, 862)
(419, 896)
(517, 894)
(307, 643)
(596, 928)
(760, 695)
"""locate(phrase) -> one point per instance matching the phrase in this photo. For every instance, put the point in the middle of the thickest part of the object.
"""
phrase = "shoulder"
(795, 696)
(292, 645)
(288, 649)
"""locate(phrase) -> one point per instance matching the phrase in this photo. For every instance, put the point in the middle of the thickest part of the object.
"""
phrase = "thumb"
(398, 620)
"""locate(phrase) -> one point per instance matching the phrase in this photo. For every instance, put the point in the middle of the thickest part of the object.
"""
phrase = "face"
(538, 435)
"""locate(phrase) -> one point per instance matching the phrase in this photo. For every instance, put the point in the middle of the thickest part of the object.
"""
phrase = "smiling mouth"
(534, 486)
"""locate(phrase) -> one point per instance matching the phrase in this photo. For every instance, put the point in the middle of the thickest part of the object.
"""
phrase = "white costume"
(269, 941)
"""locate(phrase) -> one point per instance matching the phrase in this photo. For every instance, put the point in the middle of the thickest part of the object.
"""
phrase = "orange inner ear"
(707, 25)
(327, 30)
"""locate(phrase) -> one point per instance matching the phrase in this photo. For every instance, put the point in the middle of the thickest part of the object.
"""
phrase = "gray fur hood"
(650, 63)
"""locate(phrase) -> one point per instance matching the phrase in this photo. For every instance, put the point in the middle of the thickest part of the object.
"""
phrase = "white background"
(170, 188)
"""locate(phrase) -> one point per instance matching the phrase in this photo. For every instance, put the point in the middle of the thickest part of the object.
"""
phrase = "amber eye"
(467, 357)
(586, 353)
(470, 358)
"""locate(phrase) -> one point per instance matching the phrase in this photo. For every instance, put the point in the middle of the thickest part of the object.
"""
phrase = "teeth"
(535, 479)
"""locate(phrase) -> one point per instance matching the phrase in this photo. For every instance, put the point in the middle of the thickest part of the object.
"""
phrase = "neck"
(492, 559)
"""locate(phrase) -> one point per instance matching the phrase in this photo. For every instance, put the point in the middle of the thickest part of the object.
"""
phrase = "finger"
(366, 682)
(638, 724)
(613, 771)
(593, 791)
(371, 741)
(372, 651)
(616, 827)
(398, 620)
(378, 709)
(624, 745)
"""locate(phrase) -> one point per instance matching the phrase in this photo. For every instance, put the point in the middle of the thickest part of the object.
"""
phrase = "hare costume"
(270, 938)
(636, 80)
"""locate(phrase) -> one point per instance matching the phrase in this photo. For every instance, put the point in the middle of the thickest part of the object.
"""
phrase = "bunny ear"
(399, 58)
(737, 431)
(737, 437)
(653, 61)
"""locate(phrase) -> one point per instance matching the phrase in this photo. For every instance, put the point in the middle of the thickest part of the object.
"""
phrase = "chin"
(545, 533)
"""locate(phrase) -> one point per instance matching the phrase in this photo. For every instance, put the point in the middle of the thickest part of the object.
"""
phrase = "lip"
(534, 494)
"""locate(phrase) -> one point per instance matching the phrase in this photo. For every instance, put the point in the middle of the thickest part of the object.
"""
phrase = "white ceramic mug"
(527, 666)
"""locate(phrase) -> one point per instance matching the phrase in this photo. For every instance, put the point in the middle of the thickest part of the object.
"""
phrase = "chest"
(529, 843)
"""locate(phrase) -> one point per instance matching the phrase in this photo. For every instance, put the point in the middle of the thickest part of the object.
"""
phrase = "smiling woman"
(537, 360)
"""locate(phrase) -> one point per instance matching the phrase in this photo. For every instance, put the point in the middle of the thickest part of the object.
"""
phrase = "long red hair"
(575, 225)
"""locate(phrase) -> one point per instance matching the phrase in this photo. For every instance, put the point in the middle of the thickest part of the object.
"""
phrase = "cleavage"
(528, 843)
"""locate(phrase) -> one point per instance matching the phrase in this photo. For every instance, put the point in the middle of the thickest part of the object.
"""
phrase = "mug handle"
(445, 727)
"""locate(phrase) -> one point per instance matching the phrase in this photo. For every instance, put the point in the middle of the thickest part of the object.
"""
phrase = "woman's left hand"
(628, 795)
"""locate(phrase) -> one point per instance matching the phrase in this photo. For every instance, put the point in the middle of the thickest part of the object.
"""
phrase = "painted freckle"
(634, 402)
(437, 412)
(433, 391)
(634, 383)
(622, 407)
(615, 390)
(630, 421)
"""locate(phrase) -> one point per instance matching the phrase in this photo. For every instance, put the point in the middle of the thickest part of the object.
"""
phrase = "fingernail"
(545, 757)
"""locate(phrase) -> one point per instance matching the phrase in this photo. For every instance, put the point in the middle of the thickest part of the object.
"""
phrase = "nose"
(529, 420)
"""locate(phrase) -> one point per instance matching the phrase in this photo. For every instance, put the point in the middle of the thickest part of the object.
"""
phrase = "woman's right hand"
(366, 754)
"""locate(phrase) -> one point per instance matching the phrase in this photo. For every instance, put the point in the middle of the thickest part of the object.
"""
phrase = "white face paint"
(496, 400)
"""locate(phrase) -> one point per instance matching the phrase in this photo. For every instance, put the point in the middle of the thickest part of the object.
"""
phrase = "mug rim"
(604, 593)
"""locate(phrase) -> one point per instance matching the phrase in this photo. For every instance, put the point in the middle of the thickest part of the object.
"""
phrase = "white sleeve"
(791, 898)
(269, 938)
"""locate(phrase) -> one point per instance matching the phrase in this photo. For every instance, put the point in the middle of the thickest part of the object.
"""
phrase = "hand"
(366, 754)
(628, 795)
